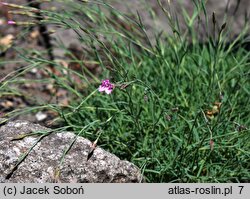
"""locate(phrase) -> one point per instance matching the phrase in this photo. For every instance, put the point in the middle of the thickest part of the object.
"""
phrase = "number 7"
(241, 188)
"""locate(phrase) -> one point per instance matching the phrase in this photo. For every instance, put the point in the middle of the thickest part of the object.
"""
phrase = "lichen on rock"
(43, 162)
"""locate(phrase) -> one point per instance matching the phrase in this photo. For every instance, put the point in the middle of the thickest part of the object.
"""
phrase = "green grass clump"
(158, 113)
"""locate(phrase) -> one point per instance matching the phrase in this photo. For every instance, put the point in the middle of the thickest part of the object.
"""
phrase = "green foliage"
(156, 117)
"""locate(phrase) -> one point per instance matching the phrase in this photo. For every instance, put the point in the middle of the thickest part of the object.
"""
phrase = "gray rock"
(233, 12)
(42, 163)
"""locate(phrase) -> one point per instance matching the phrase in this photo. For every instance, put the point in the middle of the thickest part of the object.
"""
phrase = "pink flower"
(10, 22)
(106, 86)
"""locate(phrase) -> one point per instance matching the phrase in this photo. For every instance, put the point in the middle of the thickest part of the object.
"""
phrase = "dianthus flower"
(10, 22)
(106, 86)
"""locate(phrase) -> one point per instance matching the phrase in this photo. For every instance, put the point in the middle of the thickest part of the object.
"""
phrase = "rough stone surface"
(42, 162)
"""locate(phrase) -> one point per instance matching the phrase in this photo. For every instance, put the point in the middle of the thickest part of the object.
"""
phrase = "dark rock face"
(42, 163)
(233, 12)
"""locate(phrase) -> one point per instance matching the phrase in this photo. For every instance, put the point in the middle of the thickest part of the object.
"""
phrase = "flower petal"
(108, 91)
(106, 86)
(101, 88)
